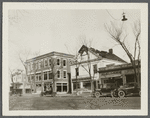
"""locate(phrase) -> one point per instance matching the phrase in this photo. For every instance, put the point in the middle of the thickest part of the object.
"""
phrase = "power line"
(112, 16)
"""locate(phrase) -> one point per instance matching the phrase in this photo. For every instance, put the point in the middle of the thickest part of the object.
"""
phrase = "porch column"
(81, 84)
(72, 88)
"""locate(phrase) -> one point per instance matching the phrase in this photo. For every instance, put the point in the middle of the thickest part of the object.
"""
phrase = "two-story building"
(18, 82)
(87, 63)
(43, 69)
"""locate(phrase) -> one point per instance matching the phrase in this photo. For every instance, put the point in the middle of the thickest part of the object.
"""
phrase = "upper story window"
(77, 71)
(95, 68)
(50, 62)
(45, 63)
(45, 75)
(29, 67)
(50, 75)
(64, 74)
(58, 61)
(64, 62)
(58, 74)
(39, 77)
(39, 64)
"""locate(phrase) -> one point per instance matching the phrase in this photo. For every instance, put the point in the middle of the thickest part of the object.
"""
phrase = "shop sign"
(113, 72)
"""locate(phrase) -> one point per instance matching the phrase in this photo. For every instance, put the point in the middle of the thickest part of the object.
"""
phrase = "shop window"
(64, 62)
(129, 78)
(64, 87)
(58, 61)
(58, 74)
(45, 75)
(58, 87)
(64, 74)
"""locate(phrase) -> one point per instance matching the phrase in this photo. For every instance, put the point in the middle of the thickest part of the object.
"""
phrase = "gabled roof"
(102, 54)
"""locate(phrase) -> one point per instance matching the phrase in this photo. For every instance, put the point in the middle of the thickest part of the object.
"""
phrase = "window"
(58, 74)
(64, 87)
(39, 77)
(45, 75)
(32, 77)
(39, 64)
(49, 62)
(28, 78)
(95, 68)
(46, 64)
(64, 74)
(77, 71)
(64, 62)
(29, 67)
(58, 61)
(50, 75)
(36, 77)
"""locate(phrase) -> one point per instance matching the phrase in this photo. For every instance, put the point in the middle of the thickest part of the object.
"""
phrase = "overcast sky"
(62, 30)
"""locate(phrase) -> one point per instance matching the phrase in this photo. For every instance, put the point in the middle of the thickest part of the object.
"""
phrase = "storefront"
(119, 75)
(61, 87)
(81, 83)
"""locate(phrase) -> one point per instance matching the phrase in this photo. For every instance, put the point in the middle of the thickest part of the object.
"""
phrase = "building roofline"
(54, 53)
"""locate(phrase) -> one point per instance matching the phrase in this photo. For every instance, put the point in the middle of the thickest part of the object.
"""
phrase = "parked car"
(104, 90)
(127, 89)
(48, 91)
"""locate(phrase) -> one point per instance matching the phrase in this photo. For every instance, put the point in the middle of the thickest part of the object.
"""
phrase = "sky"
(45, 31)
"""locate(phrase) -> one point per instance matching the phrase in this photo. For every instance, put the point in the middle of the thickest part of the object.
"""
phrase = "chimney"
(111, 51)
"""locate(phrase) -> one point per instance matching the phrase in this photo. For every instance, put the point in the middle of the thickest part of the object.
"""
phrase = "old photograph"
(75, 59)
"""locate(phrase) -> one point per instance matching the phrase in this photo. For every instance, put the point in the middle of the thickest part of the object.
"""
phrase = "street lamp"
(124, 17)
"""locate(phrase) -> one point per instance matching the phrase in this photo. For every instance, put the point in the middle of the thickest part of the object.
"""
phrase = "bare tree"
(54, 67)
(118, 33)
(35, 68)
(11, 71)
(23, 56)
(78, 59)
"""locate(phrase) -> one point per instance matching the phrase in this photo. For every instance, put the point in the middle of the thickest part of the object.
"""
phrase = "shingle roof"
(103, 54)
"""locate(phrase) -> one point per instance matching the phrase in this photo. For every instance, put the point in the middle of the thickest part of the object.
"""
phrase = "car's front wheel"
(113, 94)
(97, 94)
(121, 94)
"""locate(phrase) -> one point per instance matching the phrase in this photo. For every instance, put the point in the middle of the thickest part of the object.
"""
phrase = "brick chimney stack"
(111, 51)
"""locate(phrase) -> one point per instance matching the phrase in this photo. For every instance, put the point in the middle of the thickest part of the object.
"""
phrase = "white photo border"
(49, 6)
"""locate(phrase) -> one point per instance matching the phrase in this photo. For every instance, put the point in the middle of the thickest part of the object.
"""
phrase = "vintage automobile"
(104, 90)
(127, 89)
(49, 91)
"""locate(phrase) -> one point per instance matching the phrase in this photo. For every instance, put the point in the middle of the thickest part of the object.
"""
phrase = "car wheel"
(97, 94)
(113, 94)
(121, 94)
(140, 93)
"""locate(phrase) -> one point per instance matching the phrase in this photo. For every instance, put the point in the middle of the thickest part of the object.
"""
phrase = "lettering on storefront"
(113, 72)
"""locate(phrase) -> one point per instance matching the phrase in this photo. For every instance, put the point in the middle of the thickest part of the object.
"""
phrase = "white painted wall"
(100, 63)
